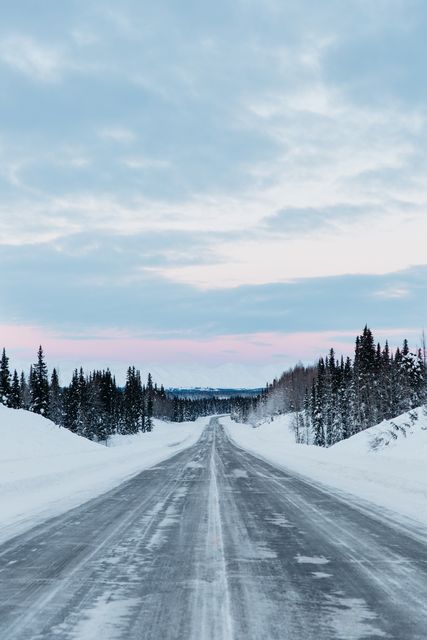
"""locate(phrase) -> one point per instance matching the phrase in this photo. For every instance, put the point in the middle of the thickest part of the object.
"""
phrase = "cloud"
(93, 280)
(353, 249)
(118, 134)
(304, 220)
(232, 168)
(393, 292)
(140, 162)
(33, 59)
(85, 37)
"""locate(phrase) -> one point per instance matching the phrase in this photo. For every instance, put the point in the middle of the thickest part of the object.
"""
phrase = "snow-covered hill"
(404, 437)
(25, 435)
(45, 470)
(386, 464)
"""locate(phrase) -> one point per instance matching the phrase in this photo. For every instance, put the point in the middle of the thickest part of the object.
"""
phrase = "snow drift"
(46, 470)
(385, 465)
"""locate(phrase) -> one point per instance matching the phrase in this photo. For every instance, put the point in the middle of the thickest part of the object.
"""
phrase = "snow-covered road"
(215, 544)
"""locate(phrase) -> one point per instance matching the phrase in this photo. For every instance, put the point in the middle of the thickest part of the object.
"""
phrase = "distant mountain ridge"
(224, 376)
(209, 392)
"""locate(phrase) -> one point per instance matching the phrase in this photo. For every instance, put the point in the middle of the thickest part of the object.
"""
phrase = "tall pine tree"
(39, 385)
(56, 407)
(5, 380)
(15, 393)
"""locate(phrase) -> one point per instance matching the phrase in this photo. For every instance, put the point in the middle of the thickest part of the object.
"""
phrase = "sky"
(194, 185)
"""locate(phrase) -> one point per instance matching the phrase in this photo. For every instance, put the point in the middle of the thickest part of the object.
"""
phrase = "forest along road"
(214, 544)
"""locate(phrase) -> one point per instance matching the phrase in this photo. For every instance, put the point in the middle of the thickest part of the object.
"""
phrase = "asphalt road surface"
(214, 544)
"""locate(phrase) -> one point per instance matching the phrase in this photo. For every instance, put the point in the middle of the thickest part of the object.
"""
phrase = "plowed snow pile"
(45, 470)
(385, 465)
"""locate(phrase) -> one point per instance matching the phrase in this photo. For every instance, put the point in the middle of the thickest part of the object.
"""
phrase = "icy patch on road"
(156, 541)
(181, 492)
(240, 473)
(351, 618)
(194, 465)
(279, 520)
(264, 553)
(311, 559)
(105, 620)
(159, 537)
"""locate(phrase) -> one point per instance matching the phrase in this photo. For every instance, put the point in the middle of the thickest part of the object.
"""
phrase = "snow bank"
(385, 465)
(46, 470)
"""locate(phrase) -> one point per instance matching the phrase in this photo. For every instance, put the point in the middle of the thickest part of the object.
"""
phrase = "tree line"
(338, 397)
(93, 405)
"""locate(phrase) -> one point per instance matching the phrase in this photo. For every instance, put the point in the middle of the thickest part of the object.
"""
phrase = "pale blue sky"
(195, 169)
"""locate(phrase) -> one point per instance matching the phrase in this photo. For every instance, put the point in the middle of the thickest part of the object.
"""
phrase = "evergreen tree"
(39, 385)
(307, 418)
(365, 367)
(24, 392)
(15, 393)
(82, 404)
(110, 405)
(386, 384)
(5, 380)
(132, 402)
(411, 379)
(93, 417)
(176, 415)
(144, 409)
(423, 357)
(318, 408)
(347, 399)
(56, 405)
(71, 403)
(149, 404)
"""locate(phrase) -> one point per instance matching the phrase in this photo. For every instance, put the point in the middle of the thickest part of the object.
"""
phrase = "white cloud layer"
(118, 134)
(36, 60)
(270, 141)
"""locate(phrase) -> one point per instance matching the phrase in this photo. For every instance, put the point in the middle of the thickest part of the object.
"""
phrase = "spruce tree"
(411, 379)
(143, 409)
(15, 394)
(110, 404)
(365, 366)
(71, 403)
(150, 404)
(82, 404)
(132, 400)
(24, 392)
(5, 380)
(94, 417)
(56, 408)
(346, 399)
(386, 383)
(39, 385)
(318, 399)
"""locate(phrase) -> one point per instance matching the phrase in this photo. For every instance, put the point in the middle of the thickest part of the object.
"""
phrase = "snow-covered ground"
(385, 465)
(46, 470)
